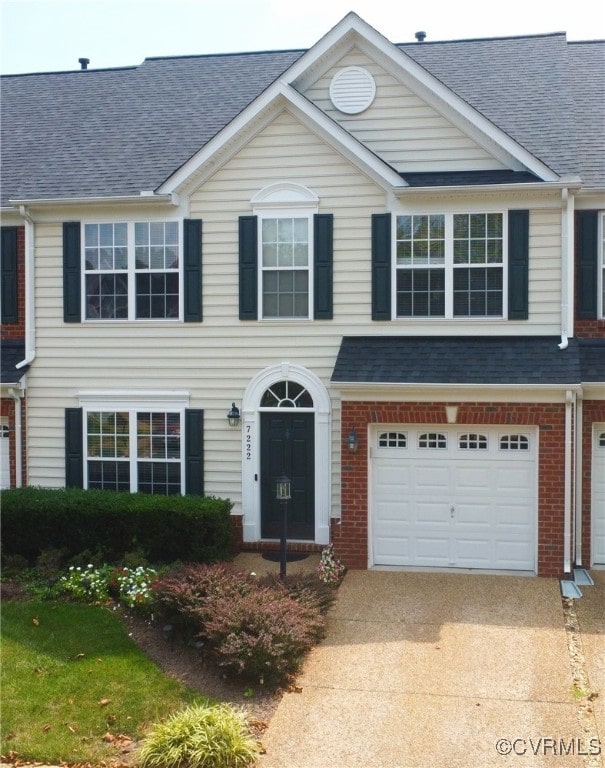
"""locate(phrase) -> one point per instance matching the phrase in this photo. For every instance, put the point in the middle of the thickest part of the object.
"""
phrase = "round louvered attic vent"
(352, 90)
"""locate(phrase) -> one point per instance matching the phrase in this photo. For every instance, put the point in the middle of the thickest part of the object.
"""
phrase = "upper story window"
(131, 270)
(286, 266)
(450, 265)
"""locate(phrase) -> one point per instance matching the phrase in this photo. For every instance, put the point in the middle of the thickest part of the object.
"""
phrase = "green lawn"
(70, 674)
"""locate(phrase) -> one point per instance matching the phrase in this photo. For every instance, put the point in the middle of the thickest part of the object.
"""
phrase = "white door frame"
(597, 428)
(251, 447)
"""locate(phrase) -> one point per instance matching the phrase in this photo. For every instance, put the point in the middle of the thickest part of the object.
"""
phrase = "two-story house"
(384, 262)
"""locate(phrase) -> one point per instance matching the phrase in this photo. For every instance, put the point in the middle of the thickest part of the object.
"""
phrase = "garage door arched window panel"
(602, 440)
(393, 440)
(286, 394)
(473, 442)
(432, 440)
(514, 443)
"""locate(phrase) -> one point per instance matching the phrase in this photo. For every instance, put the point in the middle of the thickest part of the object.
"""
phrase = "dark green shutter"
(10, 286)
(72, 260)
(192, 277)
(587, 230)
(381, 266)
(518, 265)
(74, 446)
(248, 268)
(194, 452)
(323, 237)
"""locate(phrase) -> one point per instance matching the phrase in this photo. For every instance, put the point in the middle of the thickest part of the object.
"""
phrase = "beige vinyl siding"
(215, 360)
(400, 127)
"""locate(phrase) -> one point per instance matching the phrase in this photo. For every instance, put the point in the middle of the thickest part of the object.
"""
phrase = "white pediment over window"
(284, 193)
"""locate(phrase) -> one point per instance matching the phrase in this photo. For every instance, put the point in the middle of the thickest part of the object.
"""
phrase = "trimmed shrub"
(262, 635)
(162, 529)
(256, 628)
(181, 595)
(200, 737)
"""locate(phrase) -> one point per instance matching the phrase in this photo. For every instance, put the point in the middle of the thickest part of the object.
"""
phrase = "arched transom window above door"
(286, 394)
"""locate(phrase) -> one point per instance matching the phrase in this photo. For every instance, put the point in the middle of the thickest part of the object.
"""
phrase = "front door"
(287, 448)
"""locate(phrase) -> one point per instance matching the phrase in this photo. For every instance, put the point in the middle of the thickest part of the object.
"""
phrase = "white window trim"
(130, 221)
(285, 199)
(134, 401)
(448, 266)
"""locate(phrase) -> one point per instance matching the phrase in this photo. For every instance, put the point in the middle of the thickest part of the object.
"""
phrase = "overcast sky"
(51, 35)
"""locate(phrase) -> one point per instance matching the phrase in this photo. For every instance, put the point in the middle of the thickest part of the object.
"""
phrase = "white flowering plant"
(330, 569)
(89, 584)
(131, 586)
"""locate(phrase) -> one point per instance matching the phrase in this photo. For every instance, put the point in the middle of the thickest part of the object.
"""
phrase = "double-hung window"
(286, 258)
(131, 270)
(450, 265)
(134, 450)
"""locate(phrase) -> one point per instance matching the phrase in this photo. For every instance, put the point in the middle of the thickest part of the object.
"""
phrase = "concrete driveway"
(423, 670)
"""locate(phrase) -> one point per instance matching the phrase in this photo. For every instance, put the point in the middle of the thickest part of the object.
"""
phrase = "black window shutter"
(10, 287)
(74, 458)
(72, 312)
(194, 452)
(381, 266)
(518, 265)
(323, 281)
(248, 268)
(192, 258)
(587, 230)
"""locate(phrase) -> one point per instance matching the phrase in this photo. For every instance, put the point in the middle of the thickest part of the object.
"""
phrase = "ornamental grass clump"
(200, 737)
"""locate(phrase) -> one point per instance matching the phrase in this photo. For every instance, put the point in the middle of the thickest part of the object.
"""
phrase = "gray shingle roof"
(120, 131)
(457, 360)
(592, 360)
(117, 132)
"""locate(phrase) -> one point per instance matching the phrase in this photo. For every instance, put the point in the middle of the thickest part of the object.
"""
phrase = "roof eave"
(144, 198)
(541, 186)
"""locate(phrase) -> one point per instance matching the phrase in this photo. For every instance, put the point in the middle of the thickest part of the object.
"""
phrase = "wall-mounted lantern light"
(352, 441)
(233, 415)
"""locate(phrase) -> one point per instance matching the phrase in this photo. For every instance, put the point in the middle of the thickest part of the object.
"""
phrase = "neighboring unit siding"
(215, 360)
(400, 127)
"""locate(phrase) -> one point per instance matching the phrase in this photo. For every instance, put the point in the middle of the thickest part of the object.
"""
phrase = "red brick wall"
(590, 329)
(350, 536)
(592, 411)
(7, 409)
(16, 331)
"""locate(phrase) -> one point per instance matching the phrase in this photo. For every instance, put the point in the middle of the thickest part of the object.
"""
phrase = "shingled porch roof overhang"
(460, 360)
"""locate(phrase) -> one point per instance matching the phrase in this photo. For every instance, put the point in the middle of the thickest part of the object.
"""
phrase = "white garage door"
(462, 497)
(598, 496)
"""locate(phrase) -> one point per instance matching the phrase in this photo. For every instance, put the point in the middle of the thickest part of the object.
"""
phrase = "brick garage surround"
(593, 412)
(350, 534)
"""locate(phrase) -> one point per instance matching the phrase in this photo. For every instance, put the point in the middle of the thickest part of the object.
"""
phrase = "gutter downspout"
(30, 316)
(578, 476)
(567, 256)
(569, 404)
(16, 395)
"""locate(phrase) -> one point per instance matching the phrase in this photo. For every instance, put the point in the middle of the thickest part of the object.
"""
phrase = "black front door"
(287, 448)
